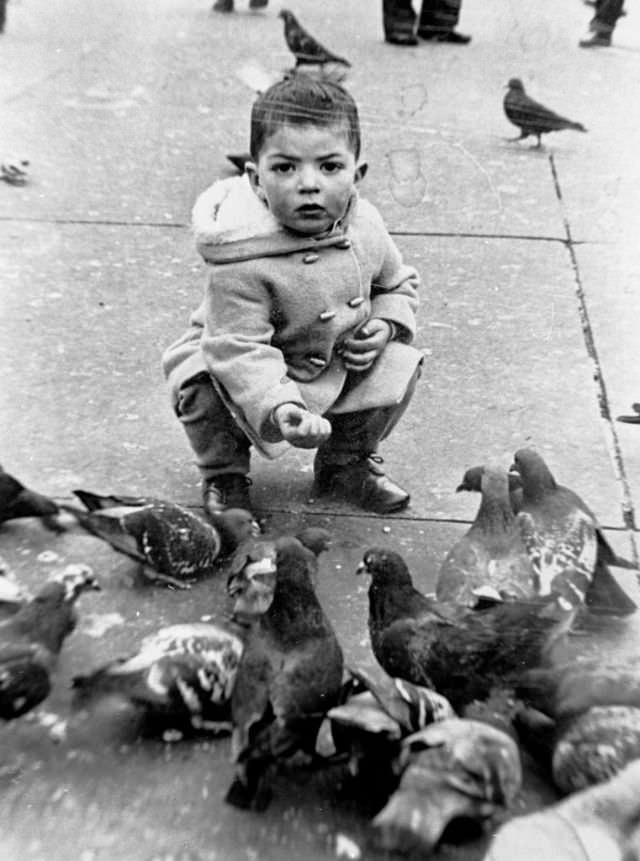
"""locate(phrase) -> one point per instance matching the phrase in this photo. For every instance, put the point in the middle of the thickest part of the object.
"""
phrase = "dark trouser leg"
(398, 19)
(347, 466)
(439, 15)
(219, 445)
(607, 14)
(221, 448)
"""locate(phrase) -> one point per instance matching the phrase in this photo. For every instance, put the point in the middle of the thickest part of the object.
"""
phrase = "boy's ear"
(361, 172)
(251, 170)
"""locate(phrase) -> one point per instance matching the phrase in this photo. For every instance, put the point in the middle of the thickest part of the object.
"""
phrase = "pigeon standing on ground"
(569, 551)
(592, 825)
(376, 714)
(171, 544)
(181, 678)
(460, 652)
(595, 707)
(303, 46)
(604, 595)
(454, 769)
(290, 675)
(492, 553)
(530, 116)
(31, 639)
(16, 501)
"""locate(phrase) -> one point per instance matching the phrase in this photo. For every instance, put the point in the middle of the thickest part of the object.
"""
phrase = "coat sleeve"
(236, 344)
(394, 288)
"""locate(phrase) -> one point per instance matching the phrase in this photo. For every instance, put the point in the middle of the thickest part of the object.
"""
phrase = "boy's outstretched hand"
(361, 350)
(301, 428)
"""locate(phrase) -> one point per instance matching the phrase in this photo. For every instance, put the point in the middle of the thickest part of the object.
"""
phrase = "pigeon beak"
(362, 568)
(93, 585)
(462, 486)
(513, 470)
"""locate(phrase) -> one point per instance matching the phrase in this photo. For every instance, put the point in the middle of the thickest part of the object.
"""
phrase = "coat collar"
(232, 224)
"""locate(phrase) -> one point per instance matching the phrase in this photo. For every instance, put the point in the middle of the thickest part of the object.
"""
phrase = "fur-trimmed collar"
(231, 223)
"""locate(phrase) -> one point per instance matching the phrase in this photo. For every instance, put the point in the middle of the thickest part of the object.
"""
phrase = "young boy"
(302, 336)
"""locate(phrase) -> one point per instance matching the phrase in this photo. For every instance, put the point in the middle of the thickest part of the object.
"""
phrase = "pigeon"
(181, 678)
(171, 544)
(303, 46)
(239, 160)
(14, 170)
(530, 116)
(593, 825)
(252, 579)
(16, 501)
(569, 551)
(631, 419)
(492, 552)
(377, 713)
(455, 769)
(290, 675)
(31, 639)
(463, 653)
(604, 595)
(595, 706)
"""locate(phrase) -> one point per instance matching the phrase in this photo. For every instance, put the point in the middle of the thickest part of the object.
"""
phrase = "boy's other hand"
(361, 350)
(301, 428)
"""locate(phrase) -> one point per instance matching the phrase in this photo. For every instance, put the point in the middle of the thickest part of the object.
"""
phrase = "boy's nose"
(308, 178)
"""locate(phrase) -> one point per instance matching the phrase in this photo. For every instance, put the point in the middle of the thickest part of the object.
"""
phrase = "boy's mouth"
(310, 209)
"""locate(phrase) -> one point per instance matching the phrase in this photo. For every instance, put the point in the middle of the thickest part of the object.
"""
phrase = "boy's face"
(306, 174)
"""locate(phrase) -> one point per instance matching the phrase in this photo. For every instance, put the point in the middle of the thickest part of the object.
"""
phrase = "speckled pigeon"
(172, 545)
(181, 678)
(530, 116)
(454, 769)
(290, 675)
(595, 704)
(492, 553)
(604, 594)
(303, 46)
(569, 552)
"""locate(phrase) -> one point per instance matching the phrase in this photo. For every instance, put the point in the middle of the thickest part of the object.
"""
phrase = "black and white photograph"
(319, 444)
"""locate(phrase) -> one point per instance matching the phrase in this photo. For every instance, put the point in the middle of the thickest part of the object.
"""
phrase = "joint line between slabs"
(611, 436)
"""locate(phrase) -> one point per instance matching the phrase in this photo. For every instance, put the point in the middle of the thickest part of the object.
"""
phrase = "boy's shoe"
(229, 490)
(596, 40)
(362, 482)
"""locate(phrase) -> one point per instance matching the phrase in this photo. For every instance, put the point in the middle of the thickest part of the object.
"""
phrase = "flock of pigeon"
(465, 677)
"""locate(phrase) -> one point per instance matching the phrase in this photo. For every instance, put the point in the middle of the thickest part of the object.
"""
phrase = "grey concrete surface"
(528, 321)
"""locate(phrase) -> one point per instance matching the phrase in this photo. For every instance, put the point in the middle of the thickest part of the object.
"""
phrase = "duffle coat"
(277, 306)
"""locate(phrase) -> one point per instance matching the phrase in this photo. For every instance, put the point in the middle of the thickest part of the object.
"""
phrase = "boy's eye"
(282, 167)
(332, 166)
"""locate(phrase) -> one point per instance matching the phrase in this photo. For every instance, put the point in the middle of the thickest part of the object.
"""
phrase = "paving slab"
(87, 311)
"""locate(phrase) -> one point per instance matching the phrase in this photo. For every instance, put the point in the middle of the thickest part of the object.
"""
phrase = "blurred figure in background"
(603, 23)
(437, 21)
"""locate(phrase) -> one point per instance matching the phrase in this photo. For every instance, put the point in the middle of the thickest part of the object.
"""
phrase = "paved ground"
(529, 322)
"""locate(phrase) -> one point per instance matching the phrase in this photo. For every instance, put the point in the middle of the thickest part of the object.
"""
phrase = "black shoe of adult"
(451, 36)
(222, 492)
(401, 39)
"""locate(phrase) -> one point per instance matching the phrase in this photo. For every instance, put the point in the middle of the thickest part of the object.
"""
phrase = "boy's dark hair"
(302, 100)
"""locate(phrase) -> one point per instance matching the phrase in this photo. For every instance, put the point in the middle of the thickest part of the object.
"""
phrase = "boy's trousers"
(220, 446)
